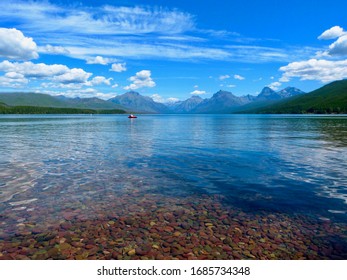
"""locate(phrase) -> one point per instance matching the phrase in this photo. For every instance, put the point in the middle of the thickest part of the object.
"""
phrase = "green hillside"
(31, 99)
(45, 100)
(253, 106)
(4, 109)
(329, 99)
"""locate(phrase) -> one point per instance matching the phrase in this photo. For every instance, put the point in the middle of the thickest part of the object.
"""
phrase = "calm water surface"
(288, 162)
(279, 164)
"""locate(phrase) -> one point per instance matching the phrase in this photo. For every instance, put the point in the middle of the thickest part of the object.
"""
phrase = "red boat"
(132, 117)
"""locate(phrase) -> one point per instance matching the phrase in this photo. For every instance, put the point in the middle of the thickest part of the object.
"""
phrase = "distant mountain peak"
(132, 93)
(290, 91)
(188, 105)
(222, 93)
(197, 97)
(291, 88)
(221, 102)
(267, 90)
(139, 103)
(268, 94)
(331, 98)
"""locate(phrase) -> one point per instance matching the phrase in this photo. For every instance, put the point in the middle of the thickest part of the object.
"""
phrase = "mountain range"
(221, 102)
(329, 99)
(136, 102)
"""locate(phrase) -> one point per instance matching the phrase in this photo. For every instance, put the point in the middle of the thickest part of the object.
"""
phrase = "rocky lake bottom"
(134, 225)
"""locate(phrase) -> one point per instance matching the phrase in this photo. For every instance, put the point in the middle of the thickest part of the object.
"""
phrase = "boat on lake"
(131, 116)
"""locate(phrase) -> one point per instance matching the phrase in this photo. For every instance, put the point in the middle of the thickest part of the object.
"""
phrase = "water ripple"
(272, 163)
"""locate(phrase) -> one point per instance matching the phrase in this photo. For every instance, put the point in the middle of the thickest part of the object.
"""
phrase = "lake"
(173, 186)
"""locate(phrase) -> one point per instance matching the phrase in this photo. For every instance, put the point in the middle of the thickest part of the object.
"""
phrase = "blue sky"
(170, 50)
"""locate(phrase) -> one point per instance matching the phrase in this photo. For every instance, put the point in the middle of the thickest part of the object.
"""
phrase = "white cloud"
(223, 77)
(198, 92)
(109, 30)
(274, 85)
(54, 50)
(321, 69)
(182, 38)
(321, 54)
(339, 47)
(230, 86)
(7, 83)
(332, 33)
(65, 86)
(72, 93)
(148, 20)
(44, 17)
(73, 76)
(284, 79)
(118, 67)
(55, 72)
(14, 45)
(314, 69)
(32, 70)
(258, 54)
(99, 80)
(83, 93)
(105, 96)
(172, 100)
(120, 47)
(238, 77)
(140, 80)
(14, 76)
(87, 90)
(13, 80)
(196, 86)
(158, 98)
(99, 60)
